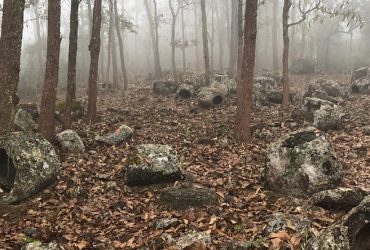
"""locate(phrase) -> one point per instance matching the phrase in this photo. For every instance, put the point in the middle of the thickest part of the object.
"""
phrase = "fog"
(335, 44)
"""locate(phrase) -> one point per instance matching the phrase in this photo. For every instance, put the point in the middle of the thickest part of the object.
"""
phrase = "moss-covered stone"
(123, 133)
(34, 161)
(153, 164)
(302, 163)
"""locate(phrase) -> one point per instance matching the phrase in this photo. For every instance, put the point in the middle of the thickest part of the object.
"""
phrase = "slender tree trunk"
(39, 42)
(48, 99)
(121, 51)
(173, 45)
(274, 36)
(89, 12)
(94, 48)
(153, 28)
(183, 48)
(72, 62)
(10, 56)
(110, 30)
(212, 36)
(240, 38)
(233, 38)
(303, 37)
(287, 5)
(220, 39)
(228, 25)
(205, 42)
(197, 63)
(245, 96)
(113, 46)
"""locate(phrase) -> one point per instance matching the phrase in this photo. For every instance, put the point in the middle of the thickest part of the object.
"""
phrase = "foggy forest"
(185, 124)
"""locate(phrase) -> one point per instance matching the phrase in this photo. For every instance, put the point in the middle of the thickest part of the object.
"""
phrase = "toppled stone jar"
(28, 163)
(302, 163)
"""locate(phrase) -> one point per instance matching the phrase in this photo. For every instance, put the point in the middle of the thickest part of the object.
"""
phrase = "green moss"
(134, 160)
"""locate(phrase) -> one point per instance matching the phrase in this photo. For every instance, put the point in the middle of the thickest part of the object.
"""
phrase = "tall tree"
(10, 55)
(72, 62)
(113, 45)
(274, 36)
(233, 38)
(205, 42)
(49, 93)
(94, 48)
(245, 95)
(39, 42)
(240, 37)
(153, 28)
(286, 8)
(174, 14)
(120, 44)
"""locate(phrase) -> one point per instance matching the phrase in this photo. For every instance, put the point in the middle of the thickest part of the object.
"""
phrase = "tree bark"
(89, 12)
(233, 38)
(245, 95)
(47, 111)
(286, 8)
(113, 46)
(173, 45)
(205, 42)
(72, 61)
(39, 41)
(274, 36)
(121, 51)
(183, 48)
(10, 55)
(94, 48)
(240, 38)
(153, 28)
(220, 39)
(196, 38)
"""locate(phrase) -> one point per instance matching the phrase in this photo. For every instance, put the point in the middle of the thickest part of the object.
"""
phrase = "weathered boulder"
(271, 97)
(232, 86)
(37, 245)
(79, 109)
(339, 198)
(323, 114)
(31, 108)
(193, 241)
(263, 83)
(153, 164)
(186, 196)
(275, 74)
(24, 121)
(361, 86)
(105, 87)
(165, 87)
(352, 233)
(185, 91)
(302, 66)
(281, 221)
(220, 77)
(359, 73)
(28, 163)
(366, 130)
(70, 141)
(326, 90)
(166, 223)
(302, 163)
(122, 134)
(223, 88)
(210, 97)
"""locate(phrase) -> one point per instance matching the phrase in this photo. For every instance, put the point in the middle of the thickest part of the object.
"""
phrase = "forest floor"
(124, 216)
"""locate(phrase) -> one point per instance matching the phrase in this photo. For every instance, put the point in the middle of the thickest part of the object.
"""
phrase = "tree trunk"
(89, 12)
(303, 36)
(94, 48)
(10, 51)
(48, 99)
(274, 36)
(196, 38)
(113, 47)
(240, 38)
(245, 95)
(205, 42)
(72, 59)
(220, 40)
(233, 38)
(153, 28)
(212, 35)
(286, 8)
(183, 48)
(110, 30)
(121, 51)
(173, 45)
(39, 42)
